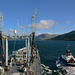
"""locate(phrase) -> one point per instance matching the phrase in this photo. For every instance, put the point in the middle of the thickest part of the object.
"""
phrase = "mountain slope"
(44, 36)
(67, 36)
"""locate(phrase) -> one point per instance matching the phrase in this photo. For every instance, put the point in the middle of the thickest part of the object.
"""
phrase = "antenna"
(17, 27)
(33, 20)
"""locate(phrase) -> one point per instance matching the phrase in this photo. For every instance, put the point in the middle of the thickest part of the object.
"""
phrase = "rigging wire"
(15, 39)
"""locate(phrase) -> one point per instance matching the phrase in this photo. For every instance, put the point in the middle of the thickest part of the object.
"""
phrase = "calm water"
(49, 50)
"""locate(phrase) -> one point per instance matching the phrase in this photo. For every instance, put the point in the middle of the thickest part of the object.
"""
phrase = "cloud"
(53, 30)
(63, 27)
(22, 27)
(10, 30)
(5, 33)
(36, 34)
(57, 23)
(59, 30)
(47, 30)
(68, 22)
(44, 24)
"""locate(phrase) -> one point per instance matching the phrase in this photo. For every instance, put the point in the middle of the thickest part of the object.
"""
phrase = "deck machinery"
(24, 61)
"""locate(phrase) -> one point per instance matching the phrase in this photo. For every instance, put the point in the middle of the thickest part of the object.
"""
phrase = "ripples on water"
(49, 51)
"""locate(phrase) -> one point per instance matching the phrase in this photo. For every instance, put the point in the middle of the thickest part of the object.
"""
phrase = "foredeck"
(14, 71)
(35, 66)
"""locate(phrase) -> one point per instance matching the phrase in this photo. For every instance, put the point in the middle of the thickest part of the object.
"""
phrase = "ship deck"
(14, 71)
(34, 67)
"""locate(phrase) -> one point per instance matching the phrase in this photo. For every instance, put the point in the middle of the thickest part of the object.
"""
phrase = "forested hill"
(67, 36)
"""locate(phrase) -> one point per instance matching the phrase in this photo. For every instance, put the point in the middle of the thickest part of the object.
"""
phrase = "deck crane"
(33, 35)
(33, 20)
(1, 38)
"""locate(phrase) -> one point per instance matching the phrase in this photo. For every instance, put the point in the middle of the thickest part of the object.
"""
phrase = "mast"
(33, 35)
(1, 38)
(32, 47)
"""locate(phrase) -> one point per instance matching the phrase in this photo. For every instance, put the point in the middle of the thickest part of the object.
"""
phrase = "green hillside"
(67, 36)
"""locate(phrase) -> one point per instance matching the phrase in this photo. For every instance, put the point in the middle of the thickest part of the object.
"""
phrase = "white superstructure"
(20, 55)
